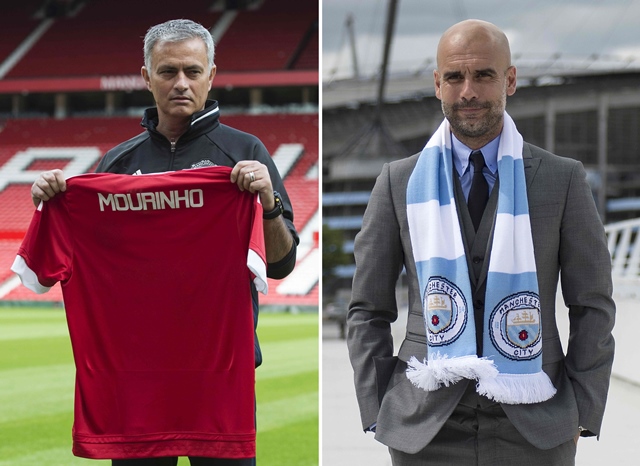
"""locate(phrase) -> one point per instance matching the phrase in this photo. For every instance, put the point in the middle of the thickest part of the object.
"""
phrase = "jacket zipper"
(173, 153)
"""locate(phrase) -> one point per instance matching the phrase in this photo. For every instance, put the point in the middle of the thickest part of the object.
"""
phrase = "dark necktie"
(479, 193)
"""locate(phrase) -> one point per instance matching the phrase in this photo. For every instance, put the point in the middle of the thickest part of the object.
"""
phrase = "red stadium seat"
(258, 40)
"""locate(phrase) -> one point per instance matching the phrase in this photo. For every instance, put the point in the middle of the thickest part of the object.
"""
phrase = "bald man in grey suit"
(454, 425)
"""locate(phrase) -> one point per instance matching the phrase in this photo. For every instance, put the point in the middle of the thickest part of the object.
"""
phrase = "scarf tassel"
(503, 388)
(442, 370)
(517, 388)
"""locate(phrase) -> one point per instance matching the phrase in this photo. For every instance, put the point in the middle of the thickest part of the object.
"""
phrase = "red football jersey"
(155, 272)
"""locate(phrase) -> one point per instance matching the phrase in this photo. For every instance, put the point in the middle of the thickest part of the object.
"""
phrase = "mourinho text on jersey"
(151, 200)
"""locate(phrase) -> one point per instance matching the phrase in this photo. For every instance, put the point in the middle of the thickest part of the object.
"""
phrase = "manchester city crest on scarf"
(515, 327)
(445, 311)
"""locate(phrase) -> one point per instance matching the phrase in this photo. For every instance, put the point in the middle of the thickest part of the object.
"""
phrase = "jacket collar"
(201, 121)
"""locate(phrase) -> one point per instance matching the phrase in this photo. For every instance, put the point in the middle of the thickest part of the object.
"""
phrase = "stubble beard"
(489, 125)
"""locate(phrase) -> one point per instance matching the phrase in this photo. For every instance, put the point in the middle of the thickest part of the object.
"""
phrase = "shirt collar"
(461, 154)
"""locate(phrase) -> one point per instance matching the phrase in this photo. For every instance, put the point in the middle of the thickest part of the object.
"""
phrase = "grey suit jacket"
(569, 241)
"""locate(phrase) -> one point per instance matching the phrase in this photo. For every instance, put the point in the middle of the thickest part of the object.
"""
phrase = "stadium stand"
(16, 24)
(43, 47)
(274, 32)
(308, 57)
(110, 46)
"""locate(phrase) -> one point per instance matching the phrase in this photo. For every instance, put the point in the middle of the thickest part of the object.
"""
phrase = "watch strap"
(277, 210)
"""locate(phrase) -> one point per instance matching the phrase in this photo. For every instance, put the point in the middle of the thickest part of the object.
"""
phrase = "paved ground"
(344, 443)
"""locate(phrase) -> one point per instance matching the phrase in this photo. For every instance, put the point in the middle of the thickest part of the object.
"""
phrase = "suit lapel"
(531, 165)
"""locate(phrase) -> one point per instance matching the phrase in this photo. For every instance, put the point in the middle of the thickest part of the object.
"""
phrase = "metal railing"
(624, 247)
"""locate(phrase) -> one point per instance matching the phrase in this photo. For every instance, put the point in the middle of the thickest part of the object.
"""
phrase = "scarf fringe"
(443, 370)
(517, 388)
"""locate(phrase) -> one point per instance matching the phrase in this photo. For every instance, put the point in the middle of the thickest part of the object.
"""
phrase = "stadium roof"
(413, 86)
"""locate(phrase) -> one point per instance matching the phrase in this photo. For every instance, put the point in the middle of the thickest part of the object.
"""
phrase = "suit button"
(479, 304)
(477, 259)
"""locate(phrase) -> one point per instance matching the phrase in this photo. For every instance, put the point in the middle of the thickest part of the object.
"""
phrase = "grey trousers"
(478, 433)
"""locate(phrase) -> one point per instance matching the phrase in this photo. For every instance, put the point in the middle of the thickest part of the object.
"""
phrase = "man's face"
(179, 79)
(472, 83)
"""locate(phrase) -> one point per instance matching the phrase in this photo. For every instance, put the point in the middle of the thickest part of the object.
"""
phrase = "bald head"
(467, 34)
(473, 79)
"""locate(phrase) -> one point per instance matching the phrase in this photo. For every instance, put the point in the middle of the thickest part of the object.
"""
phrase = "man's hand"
(47, 185)
(252, 176)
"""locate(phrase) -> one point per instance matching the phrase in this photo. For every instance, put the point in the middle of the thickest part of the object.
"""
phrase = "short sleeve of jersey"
(256, 259)
(45, 256)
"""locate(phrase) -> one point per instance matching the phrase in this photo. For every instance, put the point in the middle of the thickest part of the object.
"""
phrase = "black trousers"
(194, 460)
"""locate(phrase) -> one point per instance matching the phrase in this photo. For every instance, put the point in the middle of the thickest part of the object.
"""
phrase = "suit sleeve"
(379, 260)
(585, 267)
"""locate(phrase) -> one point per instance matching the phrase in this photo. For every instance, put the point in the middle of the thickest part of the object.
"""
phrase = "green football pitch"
(37, 384)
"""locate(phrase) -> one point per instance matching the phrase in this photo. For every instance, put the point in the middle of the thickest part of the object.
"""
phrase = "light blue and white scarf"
(510, 370)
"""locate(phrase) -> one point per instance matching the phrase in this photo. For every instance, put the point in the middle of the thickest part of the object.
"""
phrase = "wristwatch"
(277, 210)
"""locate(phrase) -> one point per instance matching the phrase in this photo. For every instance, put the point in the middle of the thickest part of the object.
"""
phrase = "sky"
(568, 33)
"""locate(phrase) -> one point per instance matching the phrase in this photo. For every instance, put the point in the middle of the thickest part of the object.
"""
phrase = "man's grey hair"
(177, 30)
